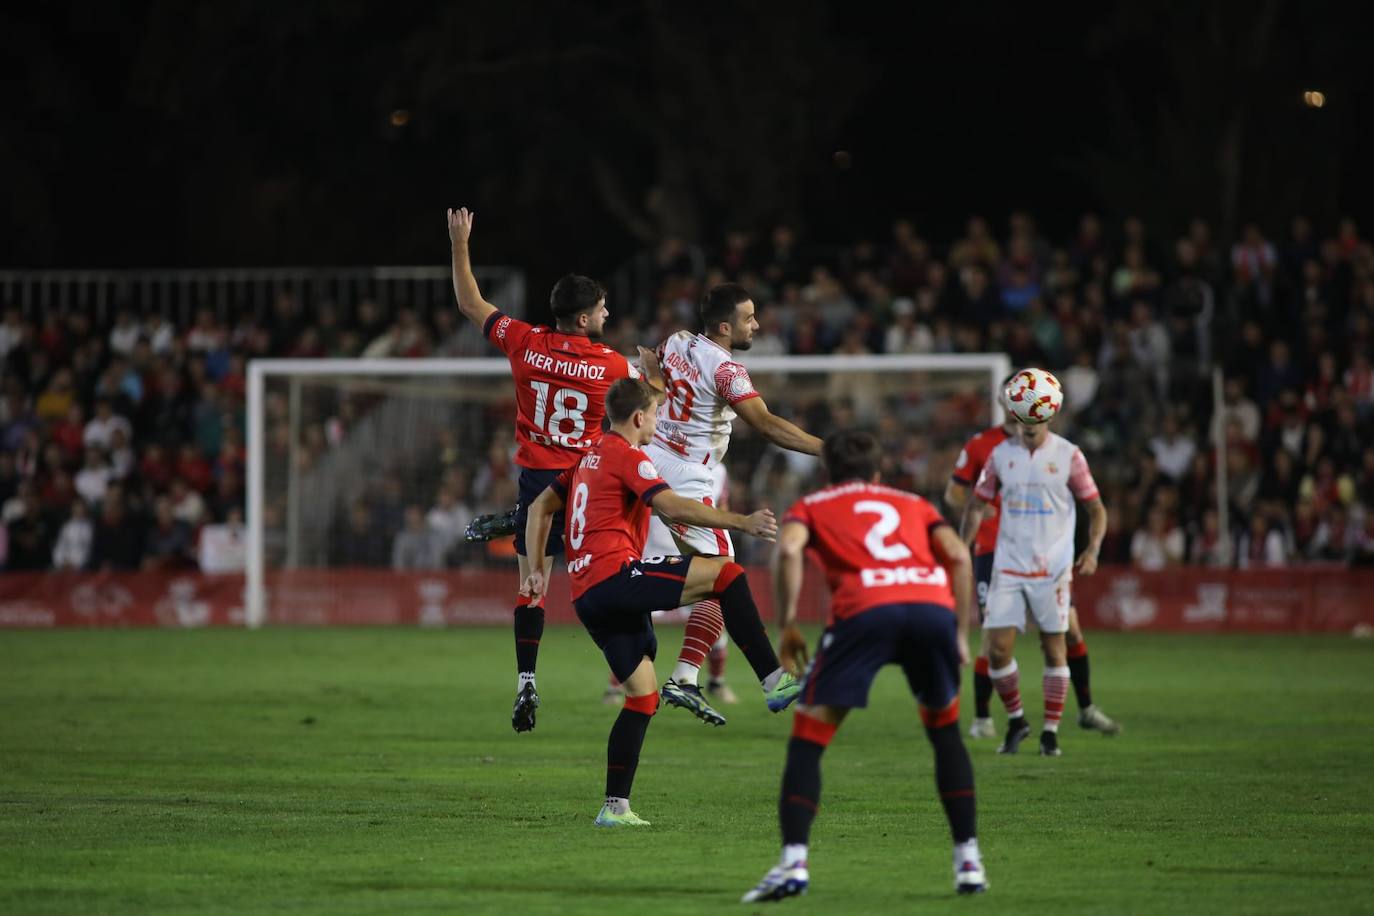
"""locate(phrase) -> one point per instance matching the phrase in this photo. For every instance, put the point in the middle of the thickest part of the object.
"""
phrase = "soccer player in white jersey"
(706, 389)
(1039, 476)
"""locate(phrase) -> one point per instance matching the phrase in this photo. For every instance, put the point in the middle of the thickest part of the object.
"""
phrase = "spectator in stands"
(361, 542)
(168, 543)
(101, 427)
(117, 543)
(93, 477)
(31, 535)
(1210, 546)
(1261, 545)
(125, 333)
(72, 552)
(187, 505)
(1159, 544)
(905, 335)
(121, 456)
(223, 546)
(449, 518)
(1252, 264)
(1173, 451)
(1239, 410)
(417, 546)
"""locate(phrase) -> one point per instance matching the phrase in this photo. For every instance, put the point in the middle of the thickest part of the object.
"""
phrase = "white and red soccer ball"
(1034, 396)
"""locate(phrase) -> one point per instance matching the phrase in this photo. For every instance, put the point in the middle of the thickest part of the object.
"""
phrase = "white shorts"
(693, 481)
(1047, 600)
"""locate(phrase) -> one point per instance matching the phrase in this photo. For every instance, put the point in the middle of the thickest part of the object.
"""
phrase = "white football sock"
(618, 805)
(526, 677)
(685, 673)
(793, 854)
(772, 680)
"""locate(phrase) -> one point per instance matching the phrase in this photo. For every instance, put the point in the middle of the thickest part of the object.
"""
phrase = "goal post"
(346, 455)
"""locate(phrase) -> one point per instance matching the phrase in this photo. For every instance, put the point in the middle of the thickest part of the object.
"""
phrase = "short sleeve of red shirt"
(987, 481)
(640, 477)
(930, 516)
(563, 481)
(798, 513)
(733, 383)
(506, 332)
(1081, 479)
(965, 469)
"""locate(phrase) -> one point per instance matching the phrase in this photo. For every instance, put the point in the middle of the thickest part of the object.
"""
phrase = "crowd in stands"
(122, 446)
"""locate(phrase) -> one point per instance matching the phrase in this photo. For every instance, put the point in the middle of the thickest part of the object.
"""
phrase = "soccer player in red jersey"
(900, 589)
(561, 378)
(606, 498)
(983, 540)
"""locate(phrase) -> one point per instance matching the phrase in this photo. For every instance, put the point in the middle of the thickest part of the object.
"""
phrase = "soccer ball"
(1034, 396)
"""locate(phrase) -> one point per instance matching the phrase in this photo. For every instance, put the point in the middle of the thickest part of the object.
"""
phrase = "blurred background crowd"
(122, 445)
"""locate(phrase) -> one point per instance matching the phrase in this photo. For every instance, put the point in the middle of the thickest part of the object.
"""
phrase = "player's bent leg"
(1090, 716)
(624, 745)
(724, 579)
(813, 727)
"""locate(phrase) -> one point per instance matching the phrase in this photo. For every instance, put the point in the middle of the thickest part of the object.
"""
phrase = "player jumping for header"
(561, 378)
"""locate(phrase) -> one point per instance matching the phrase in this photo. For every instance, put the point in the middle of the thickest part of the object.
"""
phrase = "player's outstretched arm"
(953, 555)
(537, 527)
(470, 301)
(788, 566)
(775, 429)
(1097, 529)
(680, 510)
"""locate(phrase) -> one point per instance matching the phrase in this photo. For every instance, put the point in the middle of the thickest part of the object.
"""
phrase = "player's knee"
(729, 572)
(939, 718)
(646, 703)
(810, 728)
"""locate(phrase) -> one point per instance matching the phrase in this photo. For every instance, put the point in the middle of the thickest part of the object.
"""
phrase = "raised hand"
(459, 225)
(534, 586)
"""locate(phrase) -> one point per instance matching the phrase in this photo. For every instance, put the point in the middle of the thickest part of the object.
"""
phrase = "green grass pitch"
(374, 770)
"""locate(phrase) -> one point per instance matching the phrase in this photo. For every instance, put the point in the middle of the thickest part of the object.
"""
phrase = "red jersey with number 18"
(608, 494)
(874, 544)
(560, 389)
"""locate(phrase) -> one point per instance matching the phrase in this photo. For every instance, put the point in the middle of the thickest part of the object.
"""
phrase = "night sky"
(149, 134)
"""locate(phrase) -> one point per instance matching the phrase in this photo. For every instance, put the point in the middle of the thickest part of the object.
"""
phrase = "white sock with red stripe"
(703, 629)
(1007, 682)
(1056, 690)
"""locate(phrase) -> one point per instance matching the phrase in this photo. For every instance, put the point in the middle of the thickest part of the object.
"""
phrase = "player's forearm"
(1097, 525)
(956, 498)
(972, 518)
(788, 435)
(465, 288)
(683, 511)
(961, 581)
(787, 582)
(537, 534)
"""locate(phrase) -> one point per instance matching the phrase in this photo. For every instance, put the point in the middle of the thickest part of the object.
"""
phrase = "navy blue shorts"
(919, 637)
(616, 610)
(532, 483)
(982, 580)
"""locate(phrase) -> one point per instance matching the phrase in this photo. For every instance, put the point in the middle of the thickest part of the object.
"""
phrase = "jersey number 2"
(562, 412)
(876, 539)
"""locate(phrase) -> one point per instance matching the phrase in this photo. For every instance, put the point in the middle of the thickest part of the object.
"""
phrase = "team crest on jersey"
(501, 326)
(741, 386)
(647, 470)
(1051, 468)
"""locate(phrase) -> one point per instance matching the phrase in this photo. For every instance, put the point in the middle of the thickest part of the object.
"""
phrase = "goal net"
(363, 474)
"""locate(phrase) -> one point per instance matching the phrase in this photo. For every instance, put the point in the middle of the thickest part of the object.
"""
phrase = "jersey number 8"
(577, 525)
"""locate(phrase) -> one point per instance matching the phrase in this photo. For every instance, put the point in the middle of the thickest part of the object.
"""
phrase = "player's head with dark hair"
(579, 306)
(852, 454)
(727, 316)
(633, 402)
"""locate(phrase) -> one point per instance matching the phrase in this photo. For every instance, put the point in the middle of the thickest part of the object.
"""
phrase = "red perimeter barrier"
(1179, 600)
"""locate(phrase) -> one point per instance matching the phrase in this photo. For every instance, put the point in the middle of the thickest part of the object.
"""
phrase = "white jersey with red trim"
(704, 383)
(1039, 491)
